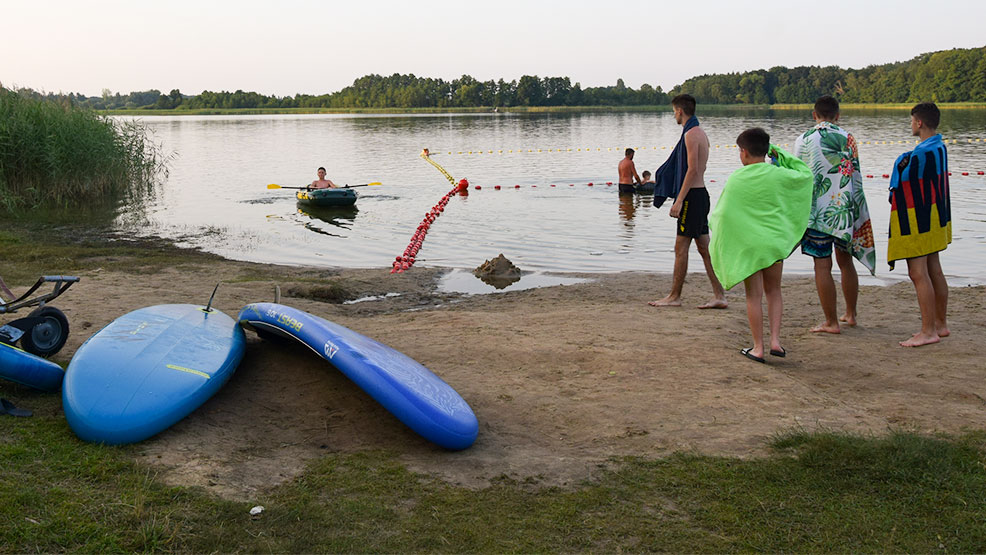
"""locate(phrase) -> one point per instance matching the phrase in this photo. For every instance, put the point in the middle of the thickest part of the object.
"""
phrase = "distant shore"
(521, 109)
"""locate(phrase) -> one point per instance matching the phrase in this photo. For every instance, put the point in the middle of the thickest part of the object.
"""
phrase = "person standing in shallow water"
(628, 173)
(840, 219)
(691, 204)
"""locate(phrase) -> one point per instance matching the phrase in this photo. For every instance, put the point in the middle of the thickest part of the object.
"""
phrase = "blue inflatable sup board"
(147, 370)
(411, 392)
(31, 370)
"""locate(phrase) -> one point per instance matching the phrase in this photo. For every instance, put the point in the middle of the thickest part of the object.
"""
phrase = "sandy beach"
(562, 379)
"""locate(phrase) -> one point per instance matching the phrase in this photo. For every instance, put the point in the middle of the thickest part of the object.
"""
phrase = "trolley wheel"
(48, 337)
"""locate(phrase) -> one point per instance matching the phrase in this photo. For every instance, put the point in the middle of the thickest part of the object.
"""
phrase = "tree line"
(957, 75)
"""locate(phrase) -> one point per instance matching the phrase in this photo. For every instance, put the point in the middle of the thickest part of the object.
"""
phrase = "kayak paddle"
(276, 186)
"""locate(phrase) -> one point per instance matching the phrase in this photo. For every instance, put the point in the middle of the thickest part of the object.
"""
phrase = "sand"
(562, 379)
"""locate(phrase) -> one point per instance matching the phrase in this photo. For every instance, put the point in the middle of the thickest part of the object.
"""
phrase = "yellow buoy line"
(639, 148)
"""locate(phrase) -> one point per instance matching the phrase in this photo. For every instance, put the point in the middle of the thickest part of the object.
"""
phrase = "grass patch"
(816, 493)
(30, 249)
(54, 154)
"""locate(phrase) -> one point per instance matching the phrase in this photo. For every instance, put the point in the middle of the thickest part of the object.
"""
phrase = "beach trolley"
(41, 333)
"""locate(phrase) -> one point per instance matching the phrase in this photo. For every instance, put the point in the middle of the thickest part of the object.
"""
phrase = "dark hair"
(686, 102)
(827, 107)
(927, 113)
(629, 152)
(321, 168)
(755, 140)
(645, 174)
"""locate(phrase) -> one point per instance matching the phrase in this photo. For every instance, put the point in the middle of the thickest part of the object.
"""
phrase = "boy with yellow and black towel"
(921, 221)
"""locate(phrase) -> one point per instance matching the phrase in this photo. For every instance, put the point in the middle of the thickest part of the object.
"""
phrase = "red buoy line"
(406, 260)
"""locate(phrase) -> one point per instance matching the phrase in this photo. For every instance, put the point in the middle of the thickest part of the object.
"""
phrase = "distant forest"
(957, 75)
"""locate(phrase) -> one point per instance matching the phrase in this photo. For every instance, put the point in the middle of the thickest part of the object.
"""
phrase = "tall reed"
(53, 154)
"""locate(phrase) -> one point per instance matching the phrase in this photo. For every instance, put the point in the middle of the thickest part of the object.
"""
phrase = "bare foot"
(666, 301)
(715, 303)
(826, 328)
(919, 339)
(942, 332)
(849, 320)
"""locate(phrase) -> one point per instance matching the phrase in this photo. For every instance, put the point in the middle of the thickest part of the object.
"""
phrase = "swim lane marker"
(406, 260)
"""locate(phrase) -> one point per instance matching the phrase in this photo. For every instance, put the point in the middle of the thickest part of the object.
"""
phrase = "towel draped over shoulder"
(669, 177)
(920, 208)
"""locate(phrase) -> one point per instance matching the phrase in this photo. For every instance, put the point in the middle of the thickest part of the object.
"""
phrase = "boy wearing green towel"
(758, 221)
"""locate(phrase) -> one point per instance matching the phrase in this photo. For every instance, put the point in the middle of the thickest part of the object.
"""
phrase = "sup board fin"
(208, 307)
(277, 294)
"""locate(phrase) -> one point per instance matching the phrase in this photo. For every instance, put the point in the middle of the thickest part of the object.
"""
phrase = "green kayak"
(327, 197)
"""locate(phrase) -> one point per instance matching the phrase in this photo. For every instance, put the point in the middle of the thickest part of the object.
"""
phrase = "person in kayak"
(322, 182)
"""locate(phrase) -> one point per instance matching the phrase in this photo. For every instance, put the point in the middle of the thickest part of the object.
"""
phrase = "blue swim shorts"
(819, 245)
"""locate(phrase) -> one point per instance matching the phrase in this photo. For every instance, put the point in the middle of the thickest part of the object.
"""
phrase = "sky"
(286, 47)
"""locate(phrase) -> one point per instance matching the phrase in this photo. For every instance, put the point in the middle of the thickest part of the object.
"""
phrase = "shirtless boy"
(691, 208)
(322, 182)
(628, 173)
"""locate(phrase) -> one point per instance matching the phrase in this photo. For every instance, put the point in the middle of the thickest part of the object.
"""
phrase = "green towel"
(761, 216)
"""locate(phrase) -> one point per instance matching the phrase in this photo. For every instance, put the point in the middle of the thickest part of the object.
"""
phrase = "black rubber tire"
(48, 337)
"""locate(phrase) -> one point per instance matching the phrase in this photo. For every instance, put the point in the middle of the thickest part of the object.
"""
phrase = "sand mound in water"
(498, 272)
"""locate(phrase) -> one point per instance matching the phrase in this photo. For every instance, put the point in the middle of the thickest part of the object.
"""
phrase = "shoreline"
(561, 378)
(848, 107)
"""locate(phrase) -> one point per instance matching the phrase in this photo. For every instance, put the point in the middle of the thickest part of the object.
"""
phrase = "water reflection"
(340, 217)
(628, 207)
(498, 281)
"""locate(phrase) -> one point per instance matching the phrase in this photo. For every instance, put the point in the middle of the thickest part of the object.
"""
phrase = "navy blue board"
(411, 392)
(31, 370)
(147, 370)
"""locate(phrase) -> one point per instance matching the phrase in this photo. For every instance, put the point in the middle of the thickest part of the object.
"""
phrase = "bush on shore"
(53, 154)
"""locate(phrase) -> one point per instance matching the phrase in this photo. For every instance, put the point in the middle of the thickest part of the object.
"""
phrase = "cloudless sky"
(285, 47)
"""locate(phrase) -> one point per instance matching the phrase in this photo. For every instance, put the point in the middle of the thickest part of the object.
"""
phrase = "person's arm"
(698, 157)
(332, 185)
(633, 169)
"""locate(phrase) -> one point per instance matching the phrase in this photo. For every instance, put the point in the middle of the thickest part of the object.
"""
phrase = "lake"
(216, 196)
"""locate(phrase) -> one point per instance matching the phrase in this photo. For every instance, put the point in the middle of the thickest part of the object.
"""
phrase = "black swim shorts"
(626, 188)
(693, 221)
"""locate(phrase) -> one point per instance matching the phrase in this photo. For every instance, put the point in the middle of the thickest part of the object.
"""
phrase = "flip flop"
(6, 407)
(746, 352)
(782, 353)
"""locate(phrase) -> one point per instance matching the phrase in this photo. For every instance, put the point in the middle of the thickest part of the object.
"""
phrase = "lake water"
(216, 195)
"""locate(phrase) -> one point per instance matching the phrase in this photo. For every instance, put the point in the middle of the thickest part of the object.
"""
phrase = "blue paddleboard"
(411, 392)
(31, 370)
(147, 370)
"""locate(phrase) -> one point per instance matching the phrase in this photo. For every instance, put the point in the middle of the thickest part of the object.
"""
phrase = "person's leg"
(681, 246)
(850, 285)
(941, 294)
(718, 294)
(917, 270)
(775, 305)
(826, 295)
(754, 311)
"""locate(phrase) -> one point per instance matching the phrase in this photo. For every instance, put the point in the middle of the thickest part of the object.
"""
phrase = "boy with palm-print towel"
(839, 216)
